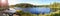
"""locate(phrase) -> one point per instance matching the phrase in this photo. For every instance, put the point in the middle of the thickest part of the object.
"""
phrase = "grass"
(51, 14)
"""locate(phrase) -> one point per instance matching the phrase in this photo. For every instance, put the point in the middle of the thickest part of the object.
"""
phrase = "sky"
(35, 2)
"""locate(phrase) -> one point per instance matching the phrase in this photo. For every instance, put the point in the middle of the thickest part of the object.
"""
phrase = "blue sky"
(35, 2)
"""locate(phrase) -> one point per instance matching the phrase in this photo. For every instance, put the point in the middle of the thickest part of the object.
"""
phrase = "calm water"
(37, 10)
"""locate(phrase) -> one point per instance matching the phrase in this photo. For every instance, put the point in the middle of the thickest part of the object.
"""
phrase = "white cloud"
(11, 2)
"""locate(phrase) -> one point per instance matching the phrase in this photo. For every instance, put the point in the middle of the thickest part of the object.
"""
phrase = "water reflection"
(37, 10)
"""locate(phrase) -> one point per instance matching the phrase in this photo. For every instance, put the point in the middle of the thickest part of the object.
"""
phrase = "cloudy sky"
(35, 2)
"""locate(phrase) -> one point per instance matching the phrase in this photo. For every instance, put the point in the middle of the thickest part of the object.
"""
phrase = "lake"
(37, 10)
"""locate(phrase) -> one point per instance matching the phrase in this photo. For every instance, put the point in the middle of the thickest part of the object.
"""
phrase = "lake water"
(37, 10)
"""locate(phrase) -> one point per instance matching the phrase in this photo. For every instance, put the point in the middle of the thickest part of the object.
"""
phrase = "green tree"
(54, 6)
(24, 5)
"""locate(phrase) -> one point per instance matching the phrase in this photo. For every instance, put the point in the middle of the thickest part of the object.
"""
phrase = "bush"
(55, 14)
(24, 14)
